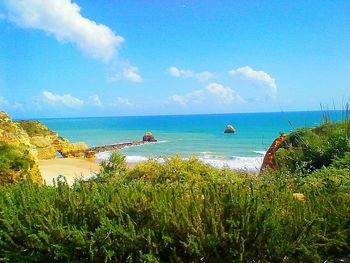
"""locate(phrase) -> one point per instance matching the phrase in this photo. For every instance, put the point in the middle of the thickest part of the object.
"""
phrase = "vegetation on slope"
(16, 164)
(306, 150)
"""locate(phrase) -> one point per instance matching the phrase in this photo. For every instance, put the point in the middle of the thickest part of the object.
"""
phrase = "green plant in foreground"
(198, 214)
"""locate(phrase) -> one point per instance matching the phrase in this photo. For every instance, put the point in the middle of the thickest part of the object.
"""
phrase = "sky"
(77, 58)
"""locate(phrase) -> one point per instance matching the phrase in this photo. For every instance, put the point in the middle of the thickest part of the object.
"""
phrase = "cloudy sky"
(64, 58)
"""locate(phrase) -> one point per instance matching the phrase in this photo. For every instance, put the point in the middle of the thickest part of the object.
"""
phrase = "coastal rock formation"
(148, 137)
(269, 161)
(46, 141)
(76, 150)
(12, 133)
(18, 150)
(230, 129)
(4, 116)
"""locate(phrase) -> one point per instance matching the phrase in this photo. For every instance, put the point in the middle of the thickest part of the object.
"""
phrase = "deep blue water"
(199, 135)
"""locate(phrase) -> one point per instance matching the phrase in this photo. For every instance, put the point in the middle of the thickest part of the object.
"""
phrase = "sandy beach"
(71, 168)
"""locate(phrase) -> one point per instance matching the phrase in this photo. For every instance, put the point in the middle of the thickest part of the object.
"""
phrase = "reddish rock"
(269, 159)
(148, 137)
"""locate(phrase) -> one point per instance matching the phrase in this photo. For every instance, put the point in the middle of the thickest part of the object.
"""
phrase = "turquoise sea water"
(199, 135)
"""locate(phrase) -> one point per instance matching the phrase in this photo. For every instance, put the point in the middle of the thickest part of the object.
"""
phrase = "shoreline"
(78, 168)
(70, 168)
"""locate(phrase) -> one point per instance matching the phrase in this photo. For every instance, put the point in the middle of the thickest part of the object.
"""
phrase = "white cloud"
(95, 99)
(66, 100)
(203, 76)
(256, 75)
(3, 101)
(224, 94)
(180, 99)
(212, 93)
(129, 73)
(62, 19)
(122, 101)
(5, 104)
(181, 73)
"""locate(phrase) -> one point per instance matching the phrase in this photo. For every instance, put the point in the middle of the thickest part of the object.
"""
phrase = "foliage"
(115, 166)
(306, 150)
(35, 128)
(178, 211)
(15, 163)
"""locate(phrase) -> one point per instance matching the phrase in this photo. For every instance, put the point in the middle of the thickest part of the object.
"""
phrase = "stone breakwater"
(91, 152)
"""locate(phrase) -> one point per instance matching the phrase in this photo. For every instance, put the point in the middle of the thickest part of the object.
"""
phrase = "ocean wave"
(260, 152)
(251, 164)
(135, 159)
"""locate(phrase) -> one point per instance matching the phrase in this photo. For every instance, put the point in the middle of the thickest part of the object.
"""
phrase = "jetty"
(90, 153)
(113, 147)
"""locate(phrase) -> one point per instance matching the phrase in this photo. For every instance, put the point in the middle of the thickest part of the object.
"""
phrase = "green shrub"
(15, 163)
(187, 212)
(114, 166)
(306, 150)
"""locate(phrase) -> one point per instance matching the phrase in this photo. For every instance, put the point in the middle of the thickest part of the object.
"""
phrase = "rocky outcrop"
(16, 142)
(269, 161)
(12, 133)
(149, 137)
(76, 150)
(230, 129)
(46, 141)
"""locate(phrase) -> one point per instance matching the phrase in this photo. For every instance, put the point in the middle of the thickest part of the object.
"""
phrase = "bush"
(186, 212)
(306, 150)
(15, 163)
(115, 166)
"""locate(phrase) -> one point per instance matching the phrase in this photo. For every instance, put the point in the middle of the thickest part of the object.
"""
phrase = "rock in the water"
(230, 129)
(149, 137)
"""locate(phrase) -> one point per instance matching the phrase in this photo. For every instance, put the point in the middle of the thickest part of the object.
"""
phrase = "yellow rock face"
(46, 142)
(12, 134)
(74, 150)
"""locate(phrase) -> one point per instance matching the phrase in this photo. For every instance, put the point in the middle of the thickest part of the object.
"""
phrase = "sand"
(71, 168)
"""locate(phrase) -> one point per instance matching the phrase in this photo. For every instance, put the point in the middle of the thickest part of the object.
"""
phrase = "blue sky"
(65, 58)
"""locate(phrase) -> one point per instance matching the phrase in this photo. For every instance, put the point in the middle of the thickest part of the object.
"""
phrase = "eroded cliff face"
(269, 161)
(22, 143)
(16, 141)
(46, 141)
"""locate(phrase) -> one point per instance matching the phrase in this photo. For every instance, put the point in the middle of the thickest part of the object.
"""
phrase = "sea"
(190, 135)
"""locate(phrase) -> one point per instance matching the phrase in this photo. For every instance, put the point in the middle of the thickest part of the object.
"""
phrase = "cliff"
(18, 155)
(46, 141)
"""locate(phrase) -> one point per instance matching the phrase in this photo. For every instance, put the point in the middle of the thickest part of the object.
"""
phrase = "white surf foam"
(135, 158)
(251, 164)
(260, 152)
